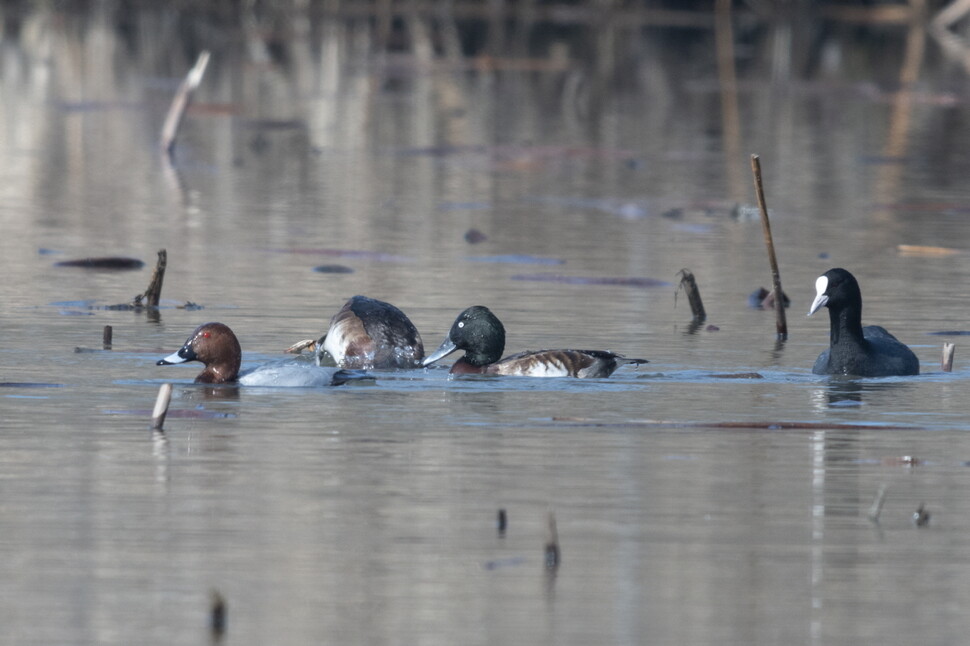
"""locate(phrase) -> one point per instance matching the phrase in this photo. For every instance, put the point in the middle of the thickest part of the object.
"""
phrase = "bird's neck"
(846, 325)
(465, 367)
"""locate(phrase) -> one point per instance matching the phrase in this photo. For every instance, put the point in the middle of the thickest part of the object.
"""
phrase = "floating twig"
(300, 346)
(876, 507)
(781, 324)
(161, 406)
(153, 293)
(106, 337)
(947, 361)
(553, 557)
(922, 250)
(689, 285)
(180, 102)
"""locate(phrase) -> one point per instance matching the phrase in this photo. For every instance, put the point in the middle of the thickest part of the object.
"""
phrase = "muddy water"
(691, 508)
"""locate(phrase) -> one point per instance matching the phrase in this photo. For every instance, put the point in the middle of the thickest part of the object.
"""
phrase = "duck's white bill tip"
(172, 358)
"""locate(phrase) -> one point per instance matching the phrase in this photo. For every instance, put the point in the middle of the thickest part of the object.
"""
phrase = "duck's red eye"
(206, 335)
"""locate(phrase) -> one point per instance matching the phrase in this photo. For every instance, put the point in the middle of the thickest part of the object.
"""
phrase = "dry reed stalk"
(781, 324)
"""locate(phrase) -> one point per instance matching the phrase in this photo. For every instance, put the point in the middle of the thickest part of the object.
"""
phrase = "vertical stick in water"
(781, 325)
(161, 406)
(689, 285)
(217, 614)
(947, 363)
(106, 337)
(552, 553)
(153, 293)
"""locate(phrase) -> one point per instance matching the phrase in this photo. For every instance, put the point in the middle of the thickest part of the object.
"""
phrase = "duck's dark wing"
(561, 363)
(397, 343)
(368, 333)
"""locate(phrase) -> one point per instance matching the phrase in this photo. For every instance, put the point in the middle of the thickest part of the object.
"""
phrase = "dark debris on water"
(633, 281)
(114, 263)
(333, 269)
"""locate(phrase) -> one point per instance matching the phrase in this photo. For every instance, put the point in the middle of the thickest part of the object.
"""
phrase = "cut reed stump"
(181, 102)
(947, 361)
(689, 285)
(106, 337)
(781, 324)
(161, 406)
(553, 557)
(152, 295)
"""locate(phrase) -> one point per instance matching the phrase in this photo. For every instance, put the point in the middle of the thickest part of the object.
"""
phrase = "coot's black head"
(476, 331)
(836, 289)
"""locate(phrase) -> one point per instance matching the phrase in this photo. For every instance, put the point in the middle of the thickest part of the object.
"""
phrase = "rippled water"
(718, 494)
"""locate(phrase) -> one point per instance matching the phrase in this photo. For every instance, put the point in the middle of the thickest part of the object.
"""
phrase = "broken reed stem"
(502, 522)
(947, 361)
(781, 325)
(689, 286)
(153, 293)
(161, 406)
(552, 554)
(106, 337)
(180, 102)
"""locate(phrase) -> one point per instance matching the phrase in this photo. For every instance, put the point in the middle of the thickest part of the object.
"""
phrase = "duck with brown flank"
(482, 336)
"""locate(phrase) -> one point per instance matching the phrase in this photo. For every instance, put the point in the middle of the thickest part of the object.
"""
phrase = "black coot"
(868, 351)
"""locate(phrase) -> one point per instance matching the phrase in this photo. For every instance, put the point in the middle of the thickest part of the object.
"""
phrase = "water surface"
(691, 508)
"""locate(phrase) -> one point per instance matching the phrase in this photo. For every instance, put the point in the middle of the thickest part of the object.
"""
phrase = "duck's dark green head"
(476, 331)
